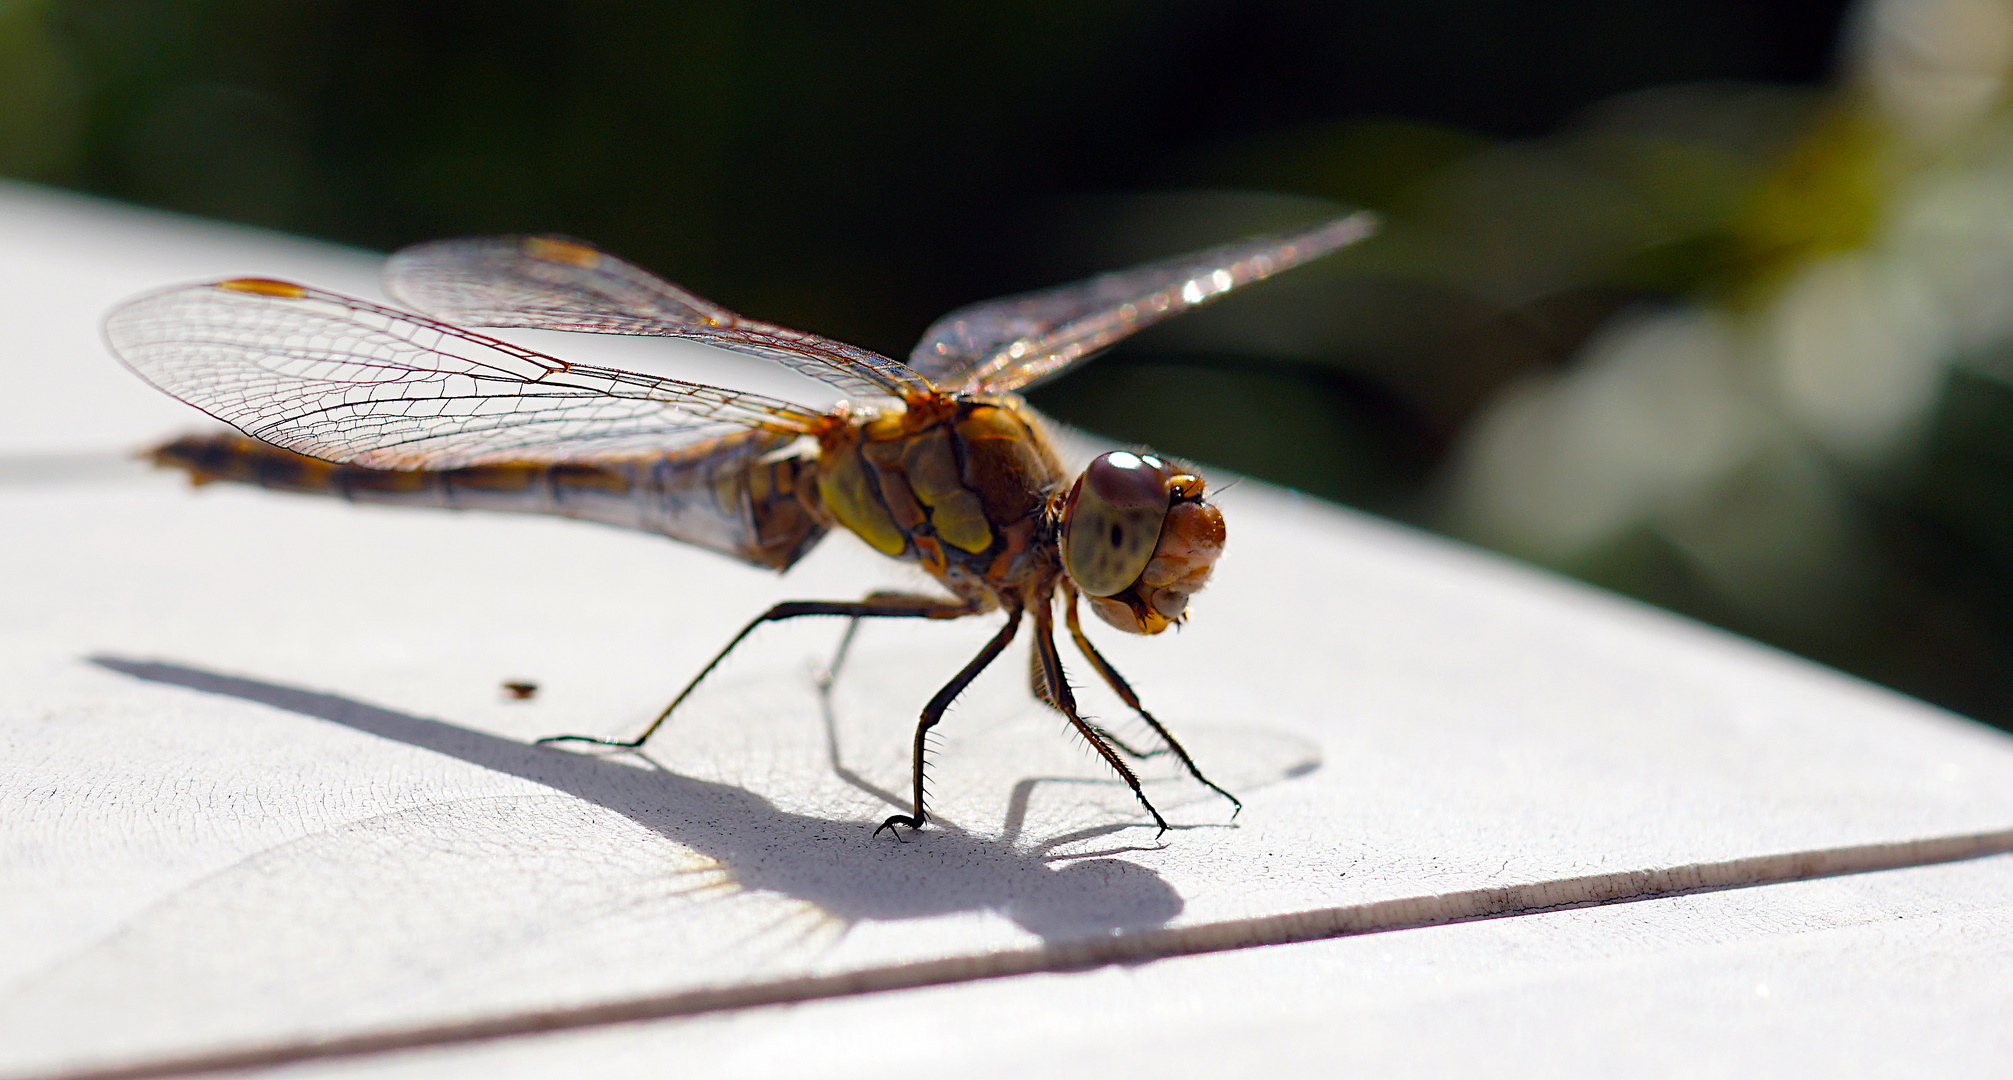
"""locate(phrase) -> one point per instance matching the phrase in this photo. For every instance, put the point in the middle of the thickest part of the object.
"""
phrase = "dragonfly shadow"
(826, 863)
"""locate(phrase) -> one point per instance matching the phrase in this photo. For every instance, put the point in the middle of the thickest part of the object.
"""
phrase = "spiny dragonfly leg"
(1060, 696)
(1038, 680)
(889, 605)
(1125, 693)
(934, 712)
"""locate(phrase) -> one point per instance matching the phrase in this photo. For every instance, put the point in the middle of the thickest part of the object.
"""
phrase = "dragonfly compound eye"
(1111, 522)
(1138, 540)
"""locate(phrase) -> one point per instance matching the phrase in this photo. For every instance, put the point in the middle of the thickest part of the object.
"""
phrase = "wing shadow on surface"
(816, 860)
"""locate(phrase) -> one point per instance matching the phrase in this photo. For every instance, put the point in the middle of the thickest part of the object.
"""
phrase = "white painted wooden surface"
(263, 789)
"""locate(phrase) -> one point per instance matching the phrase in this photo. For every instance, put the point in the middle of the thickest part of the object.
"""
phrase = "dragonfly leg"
(1038, 682)
(1131, 699)
(831, 672)
(881, 605)
(934, 712)
(1064, 701)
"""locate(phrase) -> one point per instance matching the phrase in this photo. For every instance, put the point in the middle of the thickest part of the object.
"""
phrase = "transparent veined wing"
(553, 283)
(1004, 344)
(350, 381)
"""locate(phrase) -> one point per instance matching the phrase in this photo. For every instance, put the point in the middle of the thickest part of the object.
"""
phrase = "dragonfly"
(937, 461)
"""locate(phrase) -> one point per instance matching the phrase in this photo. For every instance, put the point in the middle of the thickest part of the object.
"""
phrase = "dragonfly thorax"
(958, 484)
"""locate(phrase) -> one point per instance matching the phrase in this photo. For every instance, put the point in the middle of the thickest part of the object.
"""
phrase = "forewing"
(1004, 344)
(551, 283)
(350, 381)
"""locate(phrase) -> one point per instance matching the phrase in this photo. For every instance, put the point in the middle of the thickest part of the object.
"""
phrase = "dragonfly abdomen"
(725, 496)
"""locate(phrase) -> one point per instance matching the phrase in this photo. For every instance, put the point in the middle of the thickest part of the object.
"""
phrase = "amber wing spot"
(549, 249)
(264, 287)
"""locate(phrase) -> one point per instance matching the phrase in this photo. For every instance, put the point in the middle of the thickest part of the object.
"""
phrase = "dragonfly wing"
(552, 283)
(1004, 344)
(350, 381)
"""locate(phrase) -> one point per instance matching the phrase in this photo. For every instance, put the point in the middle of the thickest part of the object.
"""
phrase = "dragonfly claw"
(902, 820)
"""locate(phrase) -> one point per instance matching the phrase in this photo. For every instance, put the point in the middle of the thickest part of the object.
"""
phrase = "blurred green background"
(1707, 301)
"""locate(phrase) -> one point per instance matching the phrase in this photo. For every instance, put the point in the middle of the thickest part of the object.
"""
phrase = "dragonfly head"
(1138, 540)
